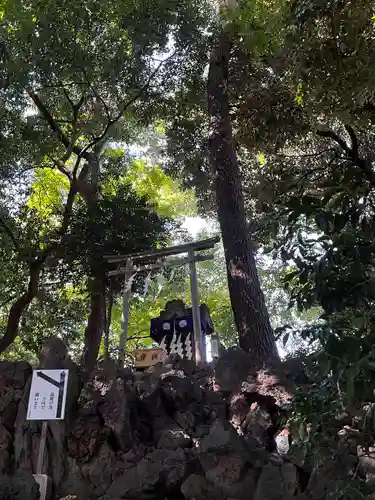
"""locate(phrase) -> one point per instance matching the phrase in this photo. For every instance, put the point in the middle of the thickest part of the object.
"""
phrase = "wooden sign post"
(47, 401)
(42, 447)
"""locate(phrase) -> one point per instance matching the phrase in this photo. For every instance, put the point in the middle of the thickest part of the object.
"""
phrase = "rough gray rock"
(230, 477)
(13, 382)
(86, 435)
(157, 472)
(226, 470)
(186, 420)
(100, 472)
(173, 438)
(290, 480)
(179, 391)
(244, 488)
(326, 478)
(20, 486)
(270, 484)
(5, 447)
(367, 462)
(108, 393)
(74, 484)
(257, 423)
(54, 354)
(196, 487)
(232, 368)
(160, 434)
(238, 409)
(221, 438)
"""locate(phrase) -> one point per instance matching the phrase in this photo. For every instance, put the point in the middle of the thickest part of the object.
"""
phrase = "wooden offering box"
(144, 358)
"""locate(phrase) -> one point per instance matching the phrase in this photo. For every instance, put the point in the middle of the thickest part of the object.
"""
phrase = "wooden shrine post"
(129, 274)
(199, 352)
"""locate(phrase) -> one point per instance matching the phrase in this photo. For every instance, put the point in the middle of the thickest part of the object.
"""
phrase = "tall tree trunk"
(248, 304)
(108, 321)
(89, 188)
(20, 306)
(95, 323)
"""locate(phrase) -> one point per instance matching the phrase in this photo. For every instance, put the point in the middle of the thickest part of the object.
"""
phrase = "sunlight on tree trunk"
(250, 313)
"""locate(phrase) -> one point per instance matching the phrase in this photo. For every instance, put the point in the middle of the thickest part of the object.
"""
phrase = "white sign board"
(48, 395)
(282, 444)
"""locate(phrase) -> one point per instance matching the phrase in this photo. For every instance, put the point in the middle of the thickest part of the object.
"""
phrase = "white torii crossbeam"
(133, 263)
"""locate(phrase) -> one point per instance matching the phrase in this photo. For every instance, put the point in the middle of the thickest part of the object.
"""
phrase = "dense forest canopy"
(118, 121)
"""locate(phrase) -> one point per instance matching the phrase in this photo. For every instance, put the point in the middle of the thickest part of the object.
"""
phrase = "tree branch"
(127, 105)
(70, 144)
(335, 137)
(48, 117)
(96, 94)
(76, 167)
(352, 152)
(68, 98)
(36, 265)
(75, 106)
(52, 123)
(9, 232)
(20, 305)
(4, 58)
(61, 167)
(68, 210)
(311, 155)
(354, 140)
(61, 84)
(7, 300)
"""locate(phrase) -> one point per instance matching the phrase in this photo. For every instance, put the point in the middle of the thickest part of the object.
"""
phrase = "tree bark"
(108, 321)
(95, 323)
(247, 299)
(19, 307)
(89, 189)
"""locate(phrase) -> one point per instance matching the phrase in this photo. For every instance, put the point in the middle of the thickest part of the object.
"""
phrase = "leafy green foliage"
(259, 25)
(125, 77)
(74, 81)
(169, 198)
(306, 107)
(332, 39)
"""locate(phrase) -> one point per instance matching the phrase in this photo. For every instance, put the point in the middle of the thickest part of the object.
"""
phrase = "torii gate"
(157, 260)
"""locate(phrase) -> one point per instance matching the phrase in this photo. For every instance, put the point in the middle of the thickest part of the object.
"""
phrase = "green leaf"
(164, 192)
(299, 94)
(48, 192)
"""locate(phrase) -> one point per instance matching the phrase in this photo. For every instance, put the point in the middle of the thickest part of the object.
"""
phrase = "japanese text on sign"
(48, 395)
